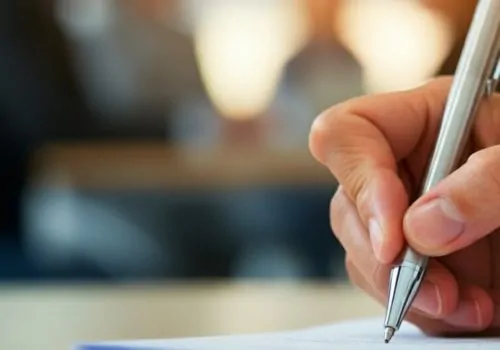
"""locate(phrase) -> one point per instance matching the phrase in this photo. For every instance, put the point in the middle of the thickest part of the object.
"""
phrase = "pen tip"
(389, 332)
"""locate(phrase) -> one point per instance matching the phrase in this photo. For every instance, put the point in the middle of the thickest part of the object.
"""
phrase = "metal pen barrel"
(475, 75)
(475, 68)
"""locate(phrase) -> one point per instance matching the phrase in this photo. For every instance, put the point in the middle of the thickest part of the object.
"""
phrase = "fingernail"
(376, 237)
(435, 223)
(428, 299)
(467, 314)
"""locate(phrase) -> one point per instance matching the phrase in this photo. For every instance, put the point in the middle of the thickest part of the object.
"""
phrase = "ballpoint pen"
(477, 75)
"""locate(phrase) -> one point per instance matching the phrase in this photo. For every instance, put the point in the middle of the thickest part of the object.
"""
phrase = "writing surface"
(355, 334)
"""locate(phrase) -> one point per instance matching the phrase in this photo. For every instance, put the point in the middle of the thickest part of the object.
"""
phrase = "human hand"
(378, 147)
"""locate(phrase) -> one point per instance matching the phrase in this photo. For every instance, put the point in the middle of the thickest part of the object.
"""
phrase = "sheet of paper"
(349, 335)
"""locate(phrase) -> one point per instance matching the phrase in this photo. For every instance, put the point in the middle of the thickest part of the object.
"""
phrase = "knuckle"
(380, 277)
(478, 158)
(356, 178)
(355, 181)
(346, 154)
(325, 129)
(348, 262)
(487, 168)
(319, 135)
(337, 211)
(353, 274)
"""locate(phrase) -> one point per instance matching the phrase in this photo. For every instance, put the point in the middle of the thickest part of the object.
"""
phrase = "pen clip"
(492, 82)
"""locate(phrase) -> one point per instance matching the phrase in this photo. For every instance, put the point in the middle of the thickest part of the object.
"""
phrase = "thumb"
(460, 210)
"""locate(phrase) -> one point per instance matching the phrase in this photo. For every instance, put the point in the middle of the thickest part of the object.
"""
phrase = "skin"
(377, 147)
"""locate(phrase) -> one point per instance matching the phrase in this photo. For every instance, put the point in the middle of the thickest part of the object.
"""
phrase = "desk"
(55, 317)
(139, 165)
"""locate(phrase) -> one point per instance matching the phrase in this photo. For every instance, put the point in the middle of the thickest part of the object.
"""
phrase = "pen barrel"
(410, 256)
(471, 81)
(476, 65)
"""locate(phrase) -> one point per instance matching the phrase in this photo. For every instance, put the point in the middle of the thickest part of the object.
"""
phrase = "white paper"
(359, 334)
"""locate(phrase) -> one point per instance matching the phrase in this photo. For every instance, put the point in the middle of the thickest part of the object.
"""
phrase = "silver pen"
(476, 76)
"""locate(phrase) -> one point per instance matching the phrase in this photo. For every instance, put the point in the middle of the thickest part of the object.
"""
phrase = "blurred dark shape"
(326, 73)
(325, 70)
(59, 84)
(134, 64)
(40, 99)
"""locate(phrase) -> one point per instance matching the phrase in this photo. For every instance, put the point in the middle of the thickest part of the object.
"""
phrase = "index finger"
(361, 142)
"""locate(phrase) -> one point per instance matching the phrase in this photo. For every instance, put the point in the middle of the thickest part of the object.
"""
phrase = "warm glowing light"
(400, 44)
(242, 47)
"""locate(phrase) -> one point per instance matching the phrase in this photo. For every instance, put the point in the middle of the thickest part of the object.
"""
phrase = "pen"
(476, 76)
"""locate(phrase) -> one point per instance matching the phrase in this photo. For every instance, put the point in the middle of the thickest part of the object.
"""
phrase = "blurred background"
(163, 139)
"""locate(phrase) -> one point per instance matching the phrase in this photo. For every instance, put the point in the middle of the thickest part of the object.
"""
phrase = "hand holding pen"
(421, 169)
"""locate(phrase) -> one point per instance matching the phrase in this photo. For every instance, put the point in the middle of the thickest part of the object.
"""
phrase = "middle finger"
(354, 237)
